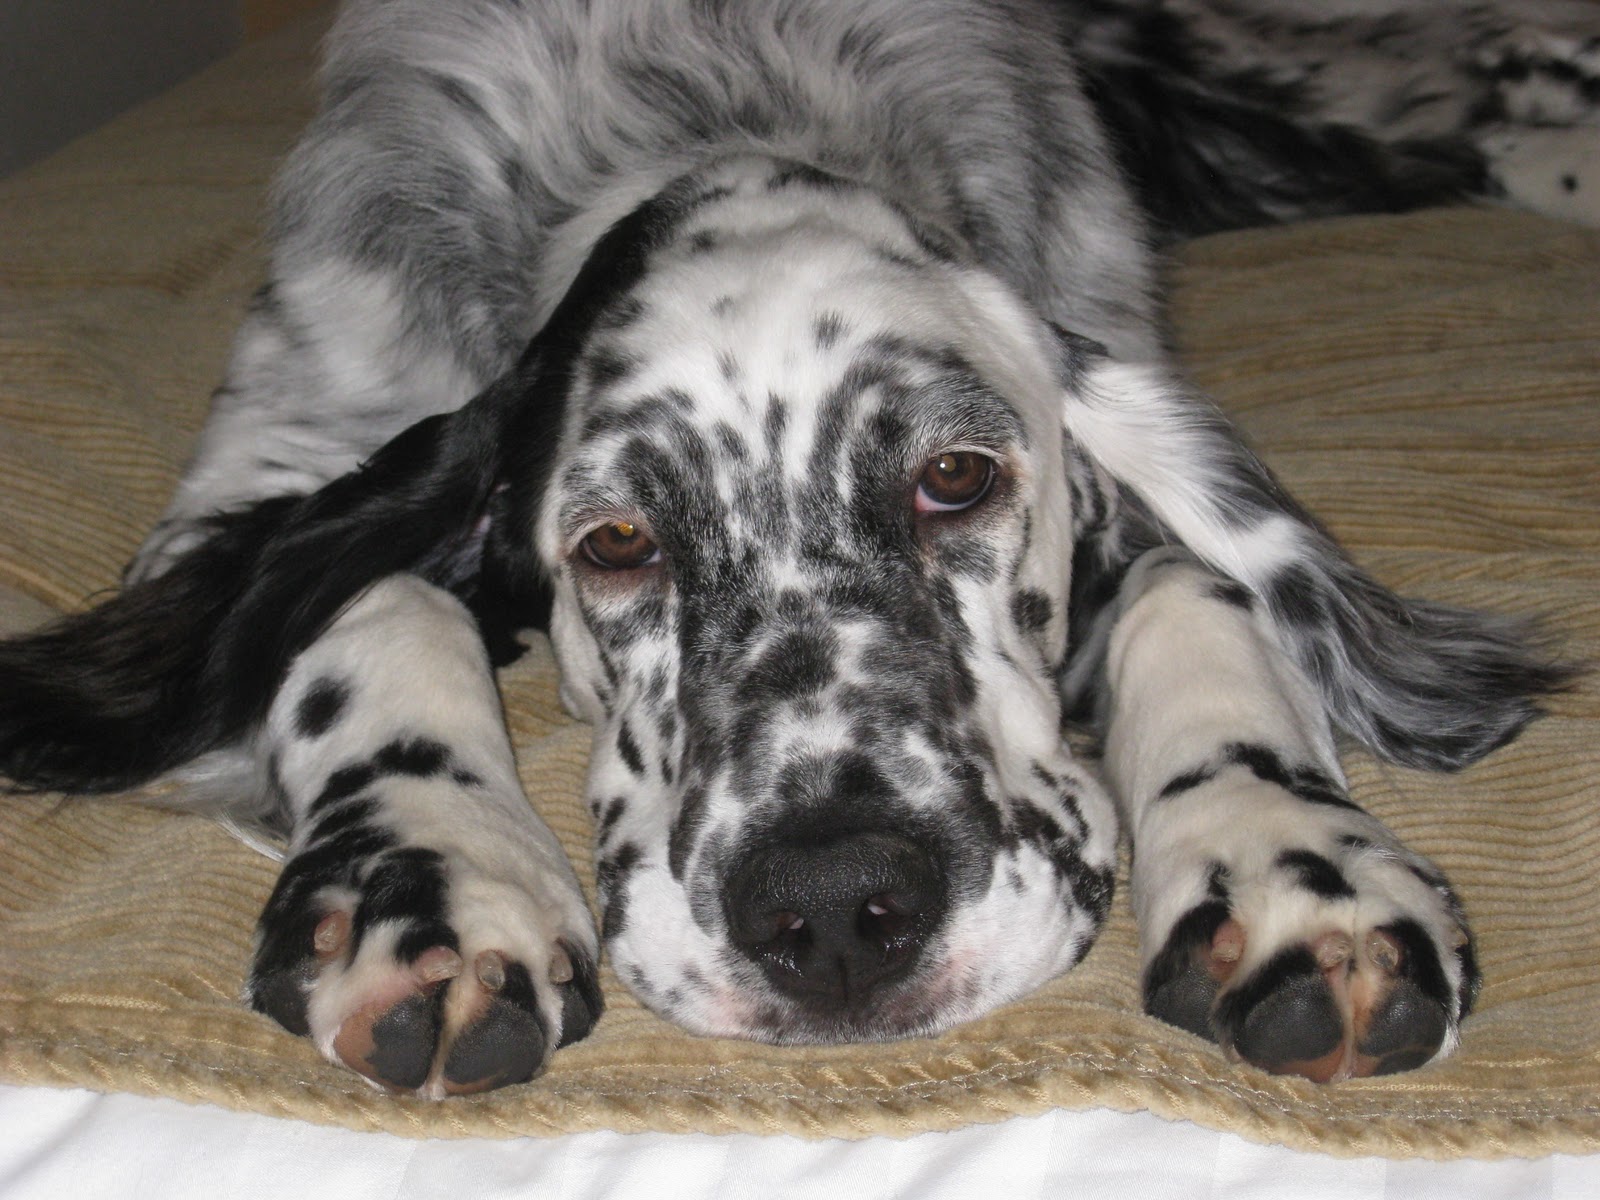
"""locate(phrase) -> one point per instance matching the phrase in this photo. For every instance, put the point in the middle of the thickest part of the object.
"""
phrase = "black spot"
(1304, 782)
(607, 365)
(613, 813)
(418, 757)
(680, 844)
(828, 329)
(702, 241)
(285, 967)
(629, 749)
(1186, 782)
(1316, 874)
(340, 817)
(797, 664)
(611, 878)
(1297, 597)
(1569, 183)
(1233, 593)
(342, 784)
(404, 885)
(1031, 610)
(419, 939)
(1217, 882)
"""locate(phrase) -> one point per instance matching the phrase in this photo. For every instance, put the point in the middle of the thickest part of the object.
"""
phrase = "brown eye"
(954, 480)
(619, 546)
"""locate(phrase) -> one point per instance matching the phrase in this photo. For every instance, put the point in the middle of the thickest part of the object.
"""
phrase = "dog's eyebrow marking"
(321, 707)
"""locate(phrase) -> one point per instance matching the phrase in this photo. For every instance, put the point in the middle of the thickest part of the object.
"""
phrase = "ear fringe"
(186, 662)
(109, 698)
(1419, 683)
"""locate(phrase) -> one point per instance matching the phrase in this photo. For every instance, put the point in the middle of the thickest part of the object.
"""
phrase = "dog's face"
(807, 525)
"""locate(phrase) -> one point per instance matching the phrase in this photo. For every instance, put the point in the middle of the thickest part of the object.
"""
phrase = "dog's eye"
(954, 480)
(619, 546)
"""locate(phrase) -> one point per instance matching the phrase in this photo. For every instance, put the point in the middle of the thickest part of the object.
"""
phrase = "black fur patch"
(406, 885)
(628, 749)
(1233, 593)
(1031, 610)
(321, 707)
(1304, 782)
(1316, 874)
(420, 758)
(827, 329)
(1186, 782)
(611, 878)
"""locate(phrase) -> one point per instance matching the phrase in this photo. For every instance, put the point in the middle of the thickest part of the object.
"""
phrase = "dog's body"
(801, 367)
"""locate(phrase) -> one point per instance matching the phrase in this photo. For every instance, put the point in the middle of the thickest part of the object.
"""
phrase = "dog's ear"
(186, 661)
(1420, 683)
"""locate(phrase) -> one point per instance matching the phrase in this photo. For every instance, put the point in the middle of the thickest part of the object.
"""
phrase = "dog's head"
(808, 527)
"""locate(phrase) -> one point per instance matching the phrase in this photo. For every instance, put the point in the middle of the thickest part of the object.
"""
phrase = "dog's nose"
(830, 922)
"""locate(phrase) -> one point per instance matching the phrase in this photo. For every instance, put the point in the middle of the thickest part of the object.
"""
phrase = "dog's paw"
(420, 974)
(1304, 939)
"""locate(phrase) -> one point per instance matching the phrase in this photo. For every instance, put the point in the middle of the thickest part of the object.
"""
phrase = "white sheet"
(60, 1144)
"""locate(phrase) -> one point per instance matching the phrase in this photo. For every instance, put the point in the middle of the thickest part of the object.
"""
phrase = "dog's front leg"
(427, 930)
(1276, 917)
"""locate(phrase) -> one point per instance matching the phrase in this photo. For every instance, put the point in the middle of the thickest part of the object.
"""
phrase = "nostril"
(888, 920)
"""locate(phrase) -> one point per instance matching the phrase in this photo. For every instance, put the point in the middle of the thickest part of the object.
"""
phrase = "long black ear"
(185, 662)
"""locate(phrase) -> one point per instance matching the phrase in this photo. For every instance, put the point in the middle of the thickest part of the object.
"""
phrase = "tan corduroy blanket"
(1427, 383)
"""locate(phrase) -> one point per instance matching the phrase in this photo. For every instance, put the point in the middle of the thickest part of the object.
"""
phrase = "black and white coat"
(800, 368)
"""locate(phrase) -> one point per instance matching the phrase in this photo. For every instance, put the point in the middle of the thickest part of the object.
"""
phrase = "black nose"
(830, 922)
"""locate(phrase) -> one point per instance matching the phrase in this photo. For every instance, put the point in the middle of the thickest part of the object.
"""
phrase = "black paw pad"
(1284, 1017)
(403, 1041)
(1180, 986)
(1406, 1032)
(506, 1045)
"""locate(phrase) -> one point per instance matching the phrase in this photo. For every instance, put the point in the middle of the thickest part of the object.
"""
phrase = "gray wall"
(68, 65)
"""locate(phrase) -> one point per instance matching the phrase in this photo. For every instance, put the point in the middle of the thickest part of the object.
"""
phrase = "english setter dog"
(800, 367)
